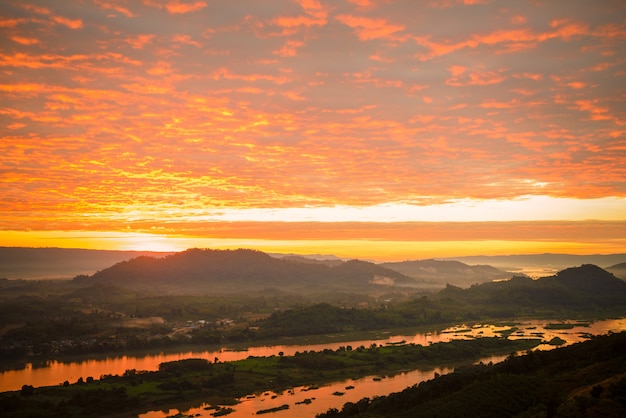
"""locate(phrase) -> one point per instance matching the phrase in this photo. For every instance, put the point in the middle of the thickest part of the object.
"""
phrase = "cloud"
(114, 112)
(462, 76)
(371, 28)
(176, 7)
(112, 5)
(70, 23)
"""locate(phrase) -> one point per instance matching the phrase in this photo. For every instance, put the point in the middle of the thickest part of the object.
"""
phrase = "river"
(55, 372)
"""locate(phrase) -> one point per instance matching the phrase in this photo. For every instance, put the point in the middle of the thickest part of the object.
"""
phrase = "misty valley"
(241, 332)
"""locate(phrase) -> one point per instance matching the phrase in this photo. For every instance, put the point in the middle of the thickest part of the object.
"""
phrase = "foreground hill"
(240, 270)
(587, 379)
(576, 287)
(445, 272)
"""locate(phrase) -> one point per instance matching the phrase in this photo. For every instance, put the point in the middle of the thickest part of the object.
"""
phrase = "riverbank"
(54, 372)
(198, 379)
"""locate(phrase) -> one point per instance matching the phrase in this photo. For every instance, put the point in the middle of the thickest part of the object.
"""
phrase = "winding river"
(303, 402)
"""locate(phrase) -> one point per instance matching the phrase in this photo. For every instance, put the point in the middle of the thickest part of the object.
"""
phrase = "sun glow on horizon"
(370, 249)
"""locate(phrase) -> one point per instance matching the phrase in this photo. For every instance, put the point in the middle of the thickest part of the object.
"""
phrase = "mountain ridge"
(239, 269)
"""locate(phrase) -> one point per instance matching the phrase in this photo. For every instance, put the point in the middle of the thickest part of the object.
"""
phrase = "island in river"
(221, 383)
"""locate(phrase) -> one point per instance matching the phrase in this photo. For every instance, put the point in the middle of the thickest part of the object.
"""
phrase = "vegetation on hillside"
(583, 380)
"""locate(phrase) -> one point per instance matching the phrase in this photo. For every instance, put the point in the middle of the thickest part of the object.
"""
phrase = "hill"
(619, 270)
(587, 379)
(586, 286)
(238, 270)
(444, 272)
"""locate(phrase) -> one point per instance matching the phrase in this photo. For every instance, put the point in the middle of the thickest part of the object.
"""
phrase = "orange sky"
(362, 128)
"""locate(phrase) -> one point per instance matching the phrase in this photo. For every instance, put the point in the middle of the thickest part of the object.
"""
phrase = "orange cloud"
(186, 39)
(289, 49)
(179, 7)
(25, 41)
(462, 77)
(70, 23)
(110, 5)
(371, 28)
(176, 6)
(315, 15)
(362, 3)
(140, 41)
(36, 9)
(591, 106)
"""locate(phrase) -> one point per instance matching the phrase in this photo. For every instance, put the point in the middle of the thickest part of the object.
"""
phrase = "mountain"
(237, 270)
(619, 270)
(576, 287)
(447, 272)
(54, 263)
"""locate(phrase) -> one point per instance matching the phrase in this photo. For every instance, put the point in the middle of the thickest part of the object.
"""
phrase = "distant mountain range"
(547, 261)
(246, 266)
(618, 270)
(64, 263)
(237, 270)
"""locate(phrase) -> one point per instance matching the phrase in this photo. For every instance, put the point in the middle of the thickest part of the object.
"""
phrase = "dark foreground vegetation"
(198, 380)
(583, 380)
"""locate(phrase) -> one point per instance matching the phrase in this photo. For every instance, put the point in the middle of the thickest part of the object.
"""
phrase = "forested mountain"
(240, 270)
(583, 286)
(448, 272)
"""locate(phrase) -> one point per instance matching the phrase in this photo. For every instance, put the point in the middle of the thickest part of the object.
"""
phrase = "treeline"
(324, 318)
(582, 380)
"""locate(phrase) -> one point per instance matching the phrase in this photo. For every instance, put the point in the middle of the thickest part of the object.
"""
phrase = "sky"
(373, 129)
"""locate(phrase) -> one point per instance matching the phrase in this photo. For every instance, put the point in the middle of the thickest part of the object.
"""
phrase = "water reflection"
(56, 372)
(306, 402)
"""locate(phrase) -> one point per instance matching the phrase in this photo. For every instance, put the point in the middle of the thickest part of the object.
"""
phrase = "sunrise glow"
(368, 129)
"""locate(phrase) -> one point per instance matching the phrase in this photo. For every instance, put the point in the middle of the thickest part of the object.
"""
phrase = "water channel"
(303, 402)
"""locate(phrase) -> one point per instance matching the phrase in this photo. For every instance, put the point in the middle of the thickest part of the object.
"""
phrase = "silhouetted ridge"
(242, 269)
(589, 278)
(576, 287)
